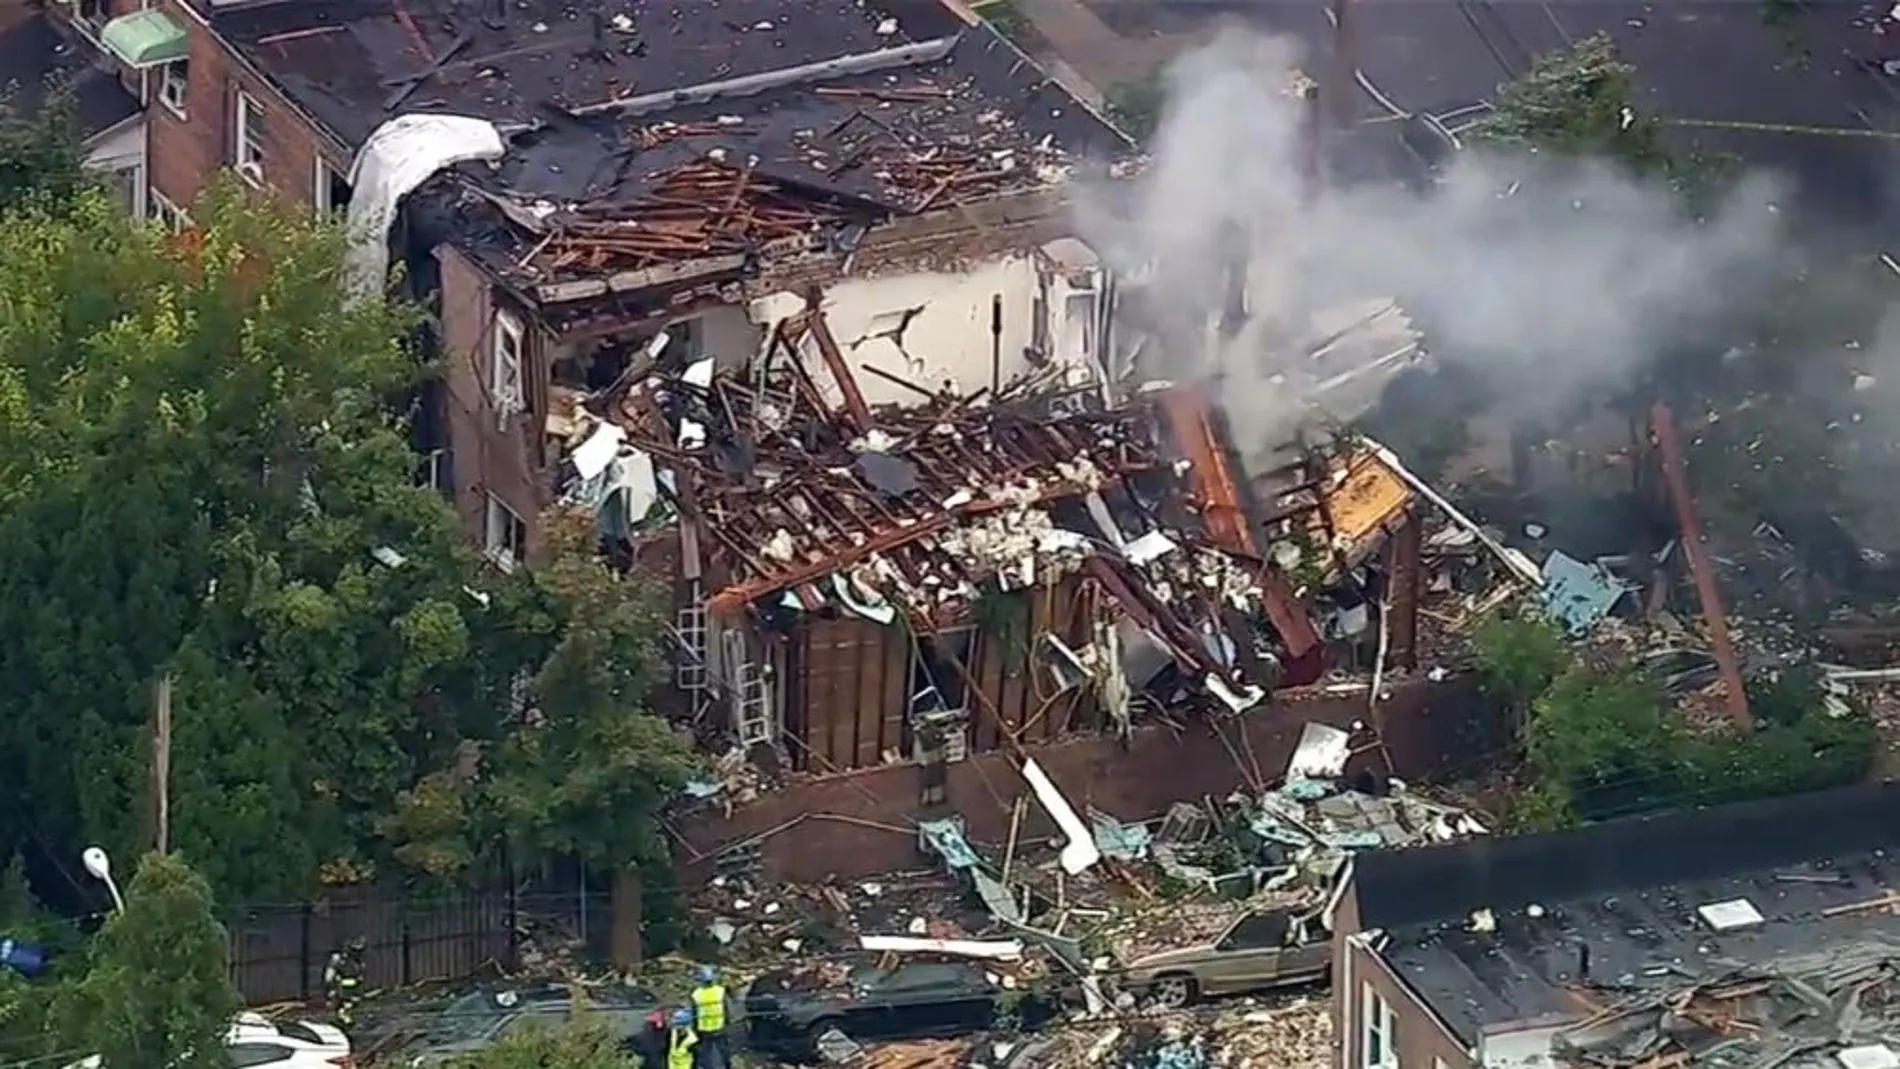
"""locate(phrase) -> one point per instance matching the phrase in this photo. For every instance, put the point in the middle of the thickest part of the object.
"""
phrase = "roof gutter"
(913, 55)
(236, 55)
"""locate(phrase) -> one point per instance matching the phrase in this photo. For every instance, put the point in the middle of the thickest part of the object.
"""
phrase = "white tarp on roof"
(399, 156)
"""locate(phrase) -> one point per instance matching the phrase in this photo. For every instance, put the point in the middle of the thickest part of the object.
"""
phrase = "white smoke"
(1558, 280)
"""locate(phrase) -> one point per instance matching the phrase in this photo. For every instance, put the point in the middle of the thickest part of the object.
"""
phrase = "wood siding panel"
(893, 734)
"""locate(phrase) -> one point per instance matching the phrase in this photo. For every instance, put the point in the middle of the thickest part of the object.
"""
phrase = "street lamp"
(100, 866)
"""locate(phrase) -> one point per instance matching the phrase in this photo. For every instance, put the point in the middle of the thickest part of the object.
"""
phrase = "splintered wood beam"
(1676, 478)
(855, 408)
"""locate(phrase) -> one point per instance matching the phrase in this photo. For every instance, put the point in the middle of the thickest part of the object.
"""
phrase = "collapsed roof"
(809, 499)
(648, 135)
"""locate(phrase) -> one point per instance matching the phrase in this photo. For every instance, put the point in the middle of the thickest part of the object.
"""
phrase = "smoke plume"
(1555, 280)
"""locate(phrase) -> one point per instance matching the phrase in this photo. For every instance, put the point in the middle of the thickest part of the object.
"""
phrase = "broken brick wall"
(860, 823)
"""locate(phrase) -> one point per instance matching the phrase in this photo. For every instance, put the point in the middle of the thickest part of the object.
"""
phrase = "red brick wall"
(859, 823)
(184, 154)
(1422, 1040)
(187, 153)
(485, 459)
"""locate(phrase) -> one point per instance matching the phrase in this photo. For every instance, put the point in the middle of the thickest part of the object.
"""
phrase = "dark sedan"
(787, 1012)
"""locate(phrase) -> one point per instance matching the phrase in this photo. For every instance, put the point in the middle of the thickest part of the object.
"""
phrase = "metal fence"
(278, 953)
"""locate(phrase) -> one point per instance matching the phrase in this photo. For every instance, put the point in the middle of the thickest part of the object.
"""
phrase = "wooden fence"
(278, 953)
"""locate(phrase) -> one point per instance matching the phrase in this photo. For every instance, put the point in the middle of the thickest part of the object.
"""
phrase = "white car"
(255, 1040)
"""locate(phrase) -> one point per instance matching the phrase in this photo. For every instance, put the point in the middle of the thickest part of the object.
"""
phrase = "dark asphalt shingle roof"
(35, 61)
(345, 60)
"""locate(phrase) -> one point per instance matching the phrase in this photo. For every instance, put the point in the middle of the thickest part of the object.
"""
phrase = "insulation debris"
(807, 499)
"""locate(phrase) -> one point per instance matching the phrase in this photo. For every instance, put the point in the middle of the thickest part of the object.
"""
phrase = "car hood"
(1162, 959)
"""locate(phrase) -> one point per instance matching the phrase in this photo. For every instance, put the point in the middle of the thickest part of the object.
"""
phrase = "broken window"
(936, 680)
(330, 191)
(1080, 312)
(435, 471)
(505, 344)
(1376, 1050)
(504, 535)
(1039, 321)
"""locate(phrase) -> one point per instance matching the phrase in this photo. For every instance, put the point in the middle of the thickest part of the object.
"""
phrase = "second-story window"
(247, 139)
(174, 79)
(504, 367)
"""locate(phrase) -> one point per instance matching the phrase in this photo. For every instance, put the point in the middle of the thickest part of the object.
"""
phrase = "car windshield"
(300, 1032)
(470, 1017)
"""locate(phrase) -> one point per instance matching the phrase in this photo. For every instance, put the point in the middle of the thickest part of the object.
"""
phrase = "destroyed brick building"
(1754, 934)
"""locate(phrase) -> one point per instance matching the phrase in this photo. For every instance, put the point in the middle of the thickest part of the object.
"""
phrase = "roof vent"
(1872, 1056)
(1733, 915)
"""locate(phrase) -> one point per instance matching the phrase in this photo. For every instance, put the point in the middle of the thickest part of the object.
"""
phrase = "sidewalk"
(1085, 54)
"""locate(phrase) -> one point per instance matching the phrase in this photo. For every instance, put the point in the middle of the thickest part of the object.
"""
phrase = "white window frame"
(507, 346)
(499, 524)
(1378, 1026)
(174, 86)
(160, 207)
(141, 194)
(436, 469)
(247, 143)
(320, 189)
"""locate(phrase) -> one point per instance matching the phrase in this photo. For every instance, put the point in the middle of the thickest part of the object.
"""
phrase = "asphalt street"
(1799, 99)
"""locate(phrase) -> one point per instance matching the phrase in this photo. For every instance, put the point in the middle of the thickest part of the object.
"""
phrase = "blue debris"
(701, 788)
(27, 959)
(945, 837)
(1579, 595)
(1115, 839)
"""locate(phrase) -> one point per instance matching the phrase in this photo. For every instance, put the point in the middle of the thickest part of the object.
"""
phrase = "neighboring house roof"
(1495, 932)
(37, 61)
(743, 128)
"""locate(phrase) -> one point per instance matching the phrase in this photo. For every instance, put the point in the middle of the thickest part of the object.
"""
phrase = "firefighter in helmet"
(343, 980)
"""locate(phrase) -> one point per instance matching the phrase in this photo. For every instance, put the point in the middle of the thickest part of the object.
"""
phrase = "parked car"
(255, 1040)
(479, 1018)
(787, 1012)
(1260, 950)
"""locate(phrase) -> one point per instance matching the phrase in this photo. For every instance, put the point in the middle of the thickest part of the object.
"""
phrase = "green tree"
(1580, 104)
(1136, 107)
(1518, 656)
(157, 990)
(41, 154)
(201, 479)
(582, 1046)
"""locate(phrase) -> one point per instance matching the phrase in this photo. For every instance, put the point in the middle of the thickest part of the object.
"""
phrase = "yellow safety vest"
(709, 1008)
(679, 1052)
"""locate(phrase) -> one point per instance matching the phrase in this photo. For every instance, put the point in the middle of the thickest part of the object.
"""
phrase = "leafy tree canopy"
(201, 478)
(580, 1046)
(157, 990)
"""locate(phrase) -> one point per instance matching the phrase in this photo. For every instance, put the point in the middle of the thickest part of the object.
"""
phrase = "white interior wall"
(933, 328)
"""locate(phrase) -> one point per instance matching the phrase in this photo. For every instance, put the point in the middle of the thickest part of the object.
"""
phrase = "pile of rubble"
(1080, 921)
(1825, 1009)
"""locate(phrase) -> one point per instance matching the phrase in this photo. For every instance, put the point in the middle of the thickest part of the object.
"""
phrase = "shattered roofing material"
(1646, 942)
(809, 165)
(1630, 890)
(923, 511)
(352, 63)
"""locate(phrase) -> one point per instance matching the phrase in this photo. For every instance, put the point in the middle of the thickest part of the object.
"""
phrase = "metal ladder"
(689, 632)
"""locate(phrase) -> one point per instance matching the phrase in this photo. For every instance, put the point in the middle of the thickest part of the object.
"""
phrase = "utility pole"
(1676, 480)
(1343, 75)
(162, 765)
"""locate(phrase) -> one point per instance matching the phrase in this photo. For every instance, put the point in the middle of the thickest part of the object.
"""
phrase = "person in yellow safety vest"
(681, 1043)
(709, 1019)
